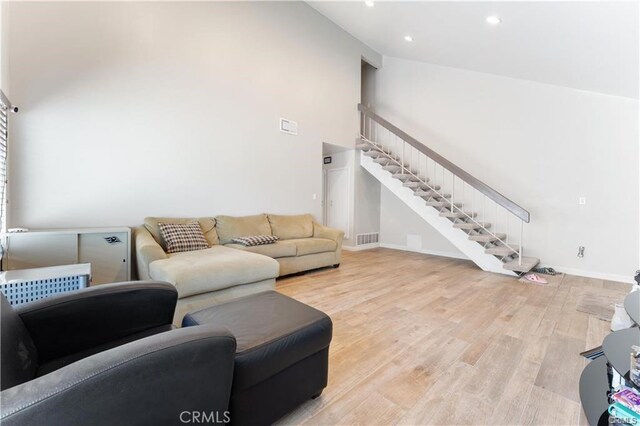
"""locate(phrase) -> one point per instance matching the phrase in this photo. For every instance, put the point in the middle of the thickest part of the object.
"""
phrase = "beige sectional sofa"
(227, 270)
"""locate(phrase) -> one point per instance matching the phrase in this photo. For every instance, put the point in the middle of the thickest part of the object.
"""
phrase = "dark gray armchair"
(109, 355)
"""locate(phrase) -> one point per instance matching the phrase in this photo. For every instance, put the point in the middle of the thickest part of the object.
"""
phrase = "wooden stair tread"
(457, 214)
(409, 177)
(427, 192)
(415, 185)
(439, 203)
(528, 263)
(383, 160)
(471, 225)
(443, 204)
(392, 168)
(501, 250)
(487, 238)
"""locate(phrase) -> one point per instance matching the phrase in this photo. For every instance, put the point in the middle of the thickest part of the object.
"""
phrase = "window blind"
(4, 137)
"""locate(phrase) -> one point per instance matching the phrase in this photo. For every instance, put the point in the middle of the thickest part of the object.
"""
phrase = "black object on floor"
(545, 271)
(281, 357)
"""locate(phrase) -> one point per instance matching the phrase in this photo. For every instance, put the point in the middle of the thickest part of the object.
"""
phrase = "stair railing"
(431, 169)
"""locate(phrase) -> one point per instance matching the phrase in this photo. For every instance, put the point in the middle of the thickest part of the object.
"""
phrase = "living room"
(343, 212)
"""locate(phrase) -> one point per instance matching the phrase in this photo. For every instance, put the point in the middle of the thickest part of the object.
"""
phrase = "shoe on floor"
(546, 271)
(535, 278)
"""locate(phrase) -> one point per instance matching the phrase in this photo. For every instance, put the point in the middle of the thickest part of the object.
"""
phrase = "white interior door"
(337, 199)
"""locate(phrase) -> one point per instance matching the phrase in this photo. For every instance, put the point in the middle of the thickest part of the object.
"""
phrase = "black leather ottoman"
(281, 357)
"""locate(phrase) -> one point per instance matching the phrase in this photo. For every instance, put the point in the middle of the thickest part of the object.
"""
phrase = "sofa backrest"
(208, 225)
(230, 227)
(288, 227)
(18, 352)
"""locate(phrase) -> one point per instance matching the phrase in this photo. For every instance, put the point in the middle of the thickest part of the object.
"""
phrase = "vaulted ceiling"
(579, 44)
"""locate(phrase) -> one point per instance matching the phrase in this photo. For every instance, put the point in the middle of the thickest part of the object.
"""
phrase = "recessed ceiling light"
(493, 20)
(408, 38)
(369, 3)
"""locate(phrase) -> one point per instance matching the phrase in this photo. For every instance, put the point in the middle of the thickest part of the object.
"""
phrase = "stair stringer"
(460, 239)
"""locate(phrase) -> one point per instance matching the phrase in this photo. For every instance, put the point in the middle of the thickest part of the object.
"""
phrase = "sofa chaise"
(227, 270)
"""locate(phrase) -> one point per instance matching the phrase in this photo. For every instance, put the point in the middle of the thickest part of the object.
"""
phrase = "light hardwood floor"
(422, 339)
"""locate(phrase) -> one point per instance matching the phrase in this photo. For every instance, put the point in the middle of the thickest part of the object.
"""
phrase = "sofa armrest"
(84, 319)
(321, 231)
(147, 250)
(155, 380)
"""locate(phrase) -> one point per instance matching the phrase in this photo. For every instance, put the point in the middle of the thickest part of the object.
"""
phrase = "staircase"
(482, 223)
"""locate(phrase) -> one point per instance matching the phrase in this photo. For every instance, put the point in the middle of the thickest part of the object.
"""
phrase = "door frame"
(347, 231)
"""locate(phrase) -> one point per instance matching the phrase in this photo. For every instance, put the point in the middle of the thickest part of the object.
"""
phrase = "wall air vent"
(370, 238)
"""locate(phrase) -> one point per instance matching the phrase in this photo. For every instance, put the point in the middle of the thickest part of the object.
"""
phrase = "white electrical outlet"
(582, 201)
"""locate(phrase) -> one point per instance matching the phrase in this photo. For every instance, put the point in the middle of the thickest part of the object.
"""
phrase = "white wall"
(367, 200)
(4, 44)
(543, 146)
(137, 109)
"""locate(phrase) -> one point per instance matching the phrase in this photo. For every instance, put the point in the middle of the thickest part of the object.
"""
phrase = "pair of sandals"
(537, 279)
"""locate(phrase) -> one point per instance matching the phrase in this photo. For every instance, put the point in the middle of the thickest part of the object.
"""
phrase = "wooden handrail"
(469, 179)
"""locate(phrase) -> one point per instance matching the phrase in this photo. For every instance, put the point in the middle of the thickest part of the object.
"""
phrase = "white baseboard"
(592, 274)
(361, 247)
(424, 251)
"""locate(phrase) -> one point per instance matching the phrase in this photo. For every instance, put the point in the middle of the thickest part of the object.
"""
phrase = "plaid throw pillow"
(183, 237)
(256, 240)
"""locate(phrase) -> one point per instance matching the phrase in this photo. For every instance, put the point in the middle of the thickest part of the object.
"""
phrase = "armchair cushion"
(149, 381)
(58, 363)
(74, 322)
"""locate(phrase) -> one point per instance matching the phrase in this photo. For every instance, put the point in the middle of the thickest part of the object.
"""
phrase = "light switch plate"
(582, 201)
(288, 126)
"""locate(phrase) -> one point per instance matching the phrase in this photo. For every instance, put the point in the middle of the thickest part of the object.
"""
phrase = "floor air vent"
(370, 238)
